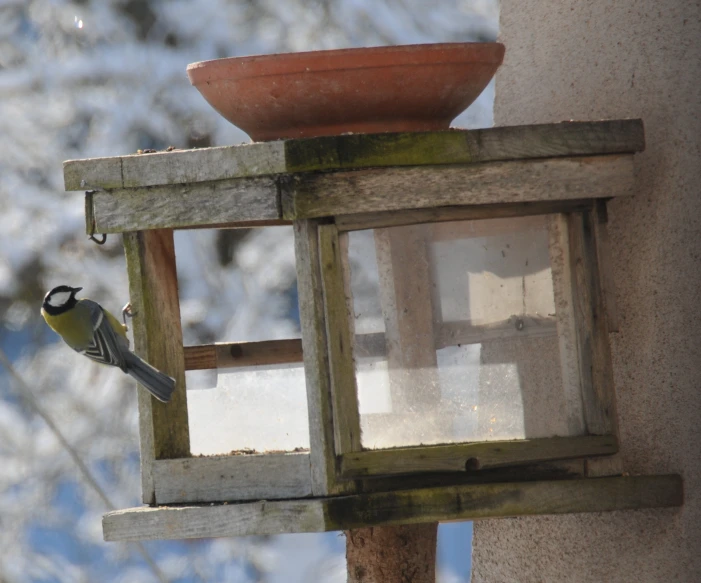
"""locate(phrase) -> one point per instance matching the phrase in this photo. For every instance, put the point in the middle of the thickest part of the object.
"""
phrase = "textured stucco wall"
(594, 59)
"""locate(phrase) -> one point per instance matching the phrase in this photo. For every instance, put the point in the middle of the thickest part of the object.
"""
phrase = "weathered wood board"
(153, 289)
(251, 183)
(472, 456)
(234, 477)
(285, 351)
(355, 151)
(339, 334)
(436, 215)
(317, 367)
(449, 503)
(414, 187)
(186, 205)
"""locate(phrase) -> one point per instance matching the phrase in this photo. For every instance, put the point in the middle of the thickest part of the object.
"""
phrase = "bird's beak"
(76, 289)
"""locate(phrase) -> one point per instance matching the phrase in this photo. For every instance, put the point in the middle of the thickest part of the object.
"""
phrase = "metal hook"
(91, 217)
(99, 241)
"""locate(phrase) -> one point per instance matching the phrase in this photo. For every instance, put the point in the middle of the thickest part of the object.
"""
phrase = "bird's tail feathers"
(158, 384)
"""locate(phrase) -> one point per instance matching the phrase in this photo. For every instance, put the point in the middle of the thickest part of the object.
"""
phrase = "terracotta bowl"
(366, 90)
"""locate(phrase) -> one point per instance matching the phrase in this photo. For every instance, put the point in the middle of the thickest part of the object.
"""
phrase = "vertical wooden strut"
(316, 362)
(339, 332)
(153, 288)
(596, 368)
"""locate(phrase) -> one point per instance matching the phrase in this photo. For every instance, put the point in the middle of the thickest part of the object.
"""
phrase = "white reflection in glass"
(497, 372)
(261, 409)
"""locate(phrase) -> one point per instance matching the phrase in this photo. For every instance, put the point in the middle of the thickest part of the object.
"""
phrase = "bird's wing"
(107, 345)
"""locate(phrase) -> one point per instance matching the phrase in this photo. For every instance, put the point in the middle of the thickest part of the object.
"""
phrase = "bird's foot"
(127, 312)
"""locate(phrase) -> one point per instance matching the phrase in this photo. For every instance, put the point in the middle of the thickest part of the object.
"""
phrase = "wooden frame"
(266, 183)
(583, 336)
(169, 474)
(326, 187)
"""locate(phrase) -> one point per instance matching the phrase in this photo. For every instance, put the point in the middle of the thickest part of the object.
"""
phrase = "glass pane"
(255, 409)
(456, 333)
(258, 408)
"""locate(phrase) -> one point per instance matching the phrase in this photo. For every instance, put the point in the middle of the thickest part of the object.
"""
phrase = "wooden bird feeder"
(474, 380)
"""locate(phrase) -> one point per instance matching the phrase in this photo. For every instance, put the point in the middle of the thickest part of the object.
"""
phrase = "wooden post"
(400, 554)
(153, 288)
(392, 554)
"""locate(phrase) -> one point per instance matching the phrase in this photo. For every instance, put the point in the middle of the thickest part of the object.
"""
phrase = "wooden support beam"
(240, 354)
(603, 250)
(201, 204)
(243, 184)
(317, 366)
(401, 188)
(400, 218)
(153, 289)
(269, 352)
(595, 367)
(467, 502)
(563, 289)
(339, 334)
(472, 456)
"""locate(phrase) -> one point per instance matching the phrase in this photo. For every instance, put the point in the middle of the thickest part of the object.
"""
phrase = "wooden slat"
(270, 352)
(377, 220)
(186, 205)
(153, 289)
(239, 354)
(495, 227)
(551, 470)
(176, 167)
(216, 520)
(362, 191)
(316, 362)
(470, 502)
(236, 477)
(595, 368)
(504, 500)
(518, 326)
(560, 264)
(608, 280)
(344, 394)
(465, 146)
(472, 456)
(356, 151)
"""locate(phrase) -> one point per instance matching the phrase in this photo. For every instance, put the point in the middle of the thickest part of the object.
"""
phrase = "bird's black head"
(60, 299)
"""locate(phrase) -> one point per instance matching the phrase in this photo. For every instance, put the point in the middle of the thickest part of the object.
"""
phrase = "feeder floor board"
(265, 183)
(394, 508)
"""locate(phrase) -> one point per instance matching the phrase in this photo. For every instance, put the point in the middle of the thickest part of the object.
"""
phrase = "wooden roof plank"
(354, 151)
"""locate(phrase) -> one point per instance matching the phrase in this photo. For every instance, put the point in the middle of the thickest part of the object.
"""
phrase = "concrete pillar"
(596, 59)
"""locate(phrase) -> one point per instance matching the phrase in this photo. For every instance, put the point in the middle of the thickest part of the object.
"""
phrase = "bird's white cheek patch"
(59, 299)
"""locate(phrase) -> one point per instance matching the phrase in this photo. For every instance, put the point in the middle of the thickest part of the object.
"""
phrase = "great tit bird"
(91, 330)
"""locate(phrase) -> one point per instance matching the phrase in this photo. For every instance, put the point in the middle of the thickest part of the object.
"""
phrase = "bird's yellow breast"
(73, 326)
(76, 328)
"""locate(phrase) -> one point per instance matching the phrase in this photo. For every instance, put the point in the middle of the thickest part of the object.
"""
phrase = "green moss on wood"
(376, 150)
(503, 500)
